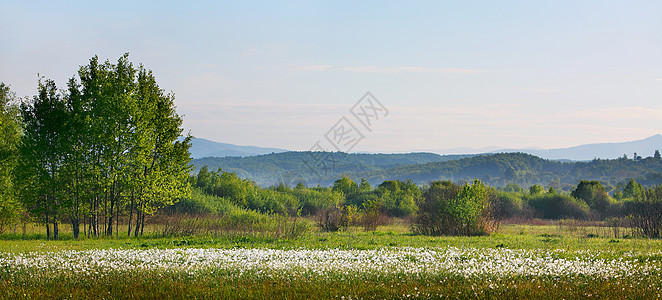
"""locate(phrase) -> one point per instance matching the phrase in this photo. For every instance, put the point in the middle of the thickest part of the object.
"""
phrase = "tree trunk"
(117, 219)
(75, 227)
(94, 224)
(137, 230)
(56, 231)
(109, 226)
(142, 224)
(130, 213)
(48, 226)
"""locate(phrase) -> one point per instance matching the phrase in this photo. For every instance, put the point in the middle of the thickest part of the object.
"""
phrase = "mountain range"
(205, 148)
(645, 147)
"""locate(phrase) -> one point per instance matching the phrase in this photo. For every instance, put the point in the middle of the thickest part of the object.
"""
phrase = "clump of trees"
(594, 194)
(558, 206)
(10, 135)
(643, 209)
(246, 194)
(106, 147)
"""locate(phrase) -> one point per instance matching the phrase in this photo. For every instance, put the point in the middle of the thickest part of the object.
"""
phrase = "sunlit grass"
(516, 262)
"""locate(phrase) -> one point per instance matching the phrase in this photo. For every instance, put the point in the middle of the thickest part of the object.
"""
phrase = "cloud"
(658, 79)
(297, 126)
(544, 90)
(209, 66)
(250, 51)
(513, 126)
(312, 68)
(387, 70)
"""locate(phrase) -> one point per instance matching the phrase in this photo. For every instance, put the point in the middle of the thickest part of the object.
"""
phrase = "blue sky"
(510, 74)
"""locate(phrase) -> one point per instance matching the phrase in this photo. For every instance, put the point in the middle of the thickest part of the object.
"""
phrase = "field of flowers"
(395, 272)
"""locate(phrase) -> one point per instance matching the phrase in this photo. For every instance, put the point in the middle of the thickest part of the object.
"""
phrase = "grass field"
(519, 261)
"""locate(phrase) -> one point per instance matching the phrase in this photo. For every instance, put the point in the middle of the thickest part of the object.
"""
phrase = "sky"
(293, 75)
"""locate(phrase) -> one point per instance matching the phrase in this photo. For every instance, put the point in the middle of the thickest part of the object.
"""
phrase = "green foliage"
(535, 189)
(335, 217)
(373, 212)
(345, 185)
(10, 130)
(644, 210)
(504, 205)
(512, 188)
(422, 168)
(594, 195)
(449, 209)
(108, 144)
(312, 201)
(42, 154)
(633, 190)
(201, 203)
(245, 194)
(399, 198)
(270, 169)
(558, 206)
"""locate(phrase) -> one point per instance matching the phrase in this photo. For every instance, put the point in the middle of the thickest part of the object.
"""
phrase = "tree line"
(106, 147)
(437, 208)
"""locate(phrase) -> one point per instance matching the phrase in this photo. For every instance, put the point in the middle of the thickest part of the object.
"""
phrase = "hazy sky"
(451, 74)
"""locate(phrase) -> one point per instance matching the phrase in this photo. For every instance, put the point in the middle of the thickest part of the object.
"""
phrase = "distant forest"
(499, 170)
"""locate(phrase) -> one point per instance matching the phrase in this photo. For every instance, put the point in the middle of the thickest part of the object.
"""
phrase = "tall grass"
(246, 223)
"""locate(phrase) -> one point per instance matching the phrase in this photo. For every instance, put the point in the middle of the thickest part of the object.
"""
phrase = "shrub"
(594, 194)
(372, 215)
(399, 197)
(333, 218)
(559, 206)
(645, 212)
(450, 209)
(504, 205)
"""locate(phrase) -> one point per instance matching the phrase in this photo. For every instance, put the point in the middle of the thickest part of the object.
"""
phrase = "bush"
(311, 201)
(504, 205)
(559, 206)
(645, 212)
(595, 196)
(333, 218)
(450, 209)
(200, 203)
(372, 215)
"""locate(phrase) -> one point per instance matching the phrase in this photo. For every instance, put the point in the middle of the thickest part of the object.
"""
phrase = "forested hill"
(498, 169)
(524, 169)
(314, 167)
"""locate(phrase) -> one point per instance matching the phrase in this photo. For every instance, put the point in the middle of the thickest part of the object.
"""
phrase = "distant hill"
(646, 147)
(294, 167)
(643, 148)
(501, 169)
(498, 169)
(205, 148)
